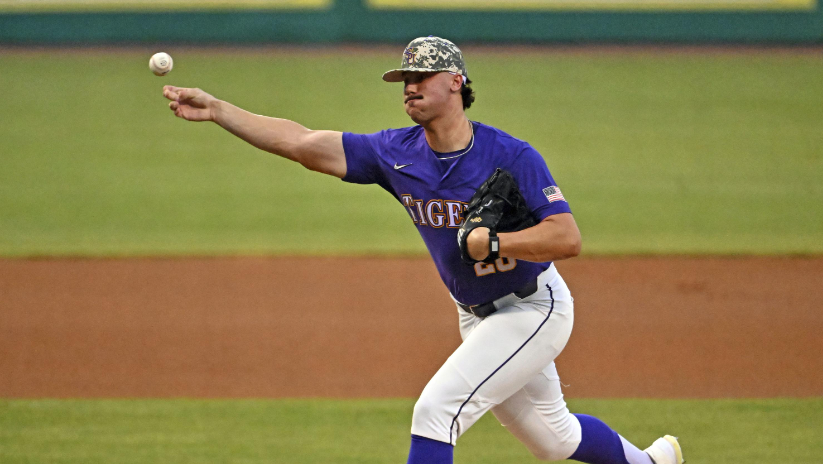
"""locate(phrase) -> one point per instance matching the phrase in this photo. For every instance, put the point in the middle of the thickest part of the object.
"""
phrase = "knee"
(546, 445)
(551, 438)
(546, 453)
(555, 446)
(430, 419)
(424, 408)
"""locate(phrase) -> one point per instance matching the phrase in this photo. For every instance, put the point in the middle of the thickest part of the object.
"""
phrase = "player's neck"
(448, 134)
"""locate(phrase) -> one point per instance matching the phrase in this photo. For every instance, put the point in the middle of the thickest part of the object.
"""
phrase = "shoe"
(665, 450)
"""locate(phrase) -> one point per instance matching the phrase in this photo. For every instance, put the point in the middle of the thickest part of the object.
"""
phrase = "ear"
(457, 82)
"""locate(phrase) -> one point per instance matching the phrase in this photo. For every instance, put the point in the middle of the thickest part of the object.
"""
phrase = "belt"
(486, 309)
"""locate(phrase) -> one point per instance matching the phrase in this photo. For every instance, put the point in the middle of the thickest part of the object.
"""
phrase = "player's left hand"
(478, 243)
(497, 205)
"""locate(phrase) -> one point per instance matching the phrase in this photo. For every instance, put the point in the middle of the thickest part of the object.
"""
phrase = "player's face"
(425, 95)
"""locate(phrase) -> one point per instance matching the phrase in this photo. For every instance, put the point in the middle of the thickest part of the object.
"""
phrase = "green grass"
(772, 431)
(657, 153)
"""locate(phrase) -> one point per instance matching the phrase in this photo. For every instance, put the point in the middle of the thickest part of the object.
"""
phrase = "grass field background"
(656, 152)
(773, 431)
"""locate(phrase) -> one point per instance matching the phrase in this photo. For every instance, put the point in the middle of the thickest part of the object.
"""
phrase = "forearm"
(274, 135)
(556, 237)
(534, 244)
(320, 151)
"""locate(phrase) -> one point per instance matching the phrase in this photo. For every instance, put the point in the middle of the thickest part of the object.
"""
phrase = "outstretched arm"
(556, 237)
(318, 150)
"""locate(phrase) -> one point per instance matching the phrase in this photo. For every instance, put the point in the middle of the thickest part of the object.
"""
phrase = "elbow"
(573, 242)
(304, 157)
(315, 154)
(569, 248)
(295, 146)
(575, 246)
(309, 163)
(558, 250)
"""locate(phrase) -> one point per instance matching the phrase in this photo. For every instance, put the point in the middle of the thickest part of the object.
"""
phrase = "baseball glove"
(498, 205)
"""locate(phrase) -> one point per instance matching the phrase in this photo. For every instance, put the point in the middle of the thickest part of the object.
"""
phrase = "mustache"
(413, 97)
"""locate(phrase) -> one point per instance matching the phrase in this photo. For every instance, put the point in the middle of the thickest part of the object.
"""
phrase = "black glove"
(498, 205)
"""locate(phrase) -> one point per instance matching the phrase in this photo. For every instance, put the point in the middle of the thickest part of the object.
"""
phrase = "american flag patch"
(553, 194)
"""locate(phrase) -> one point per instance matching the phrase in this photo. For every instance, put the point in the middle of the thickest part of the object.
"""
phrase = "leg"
(537, 415)
(499, 355)
(506, 364)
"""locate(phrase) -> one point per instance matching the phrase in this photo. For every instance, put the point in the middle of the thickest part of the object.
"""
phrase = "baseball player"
(515, 310)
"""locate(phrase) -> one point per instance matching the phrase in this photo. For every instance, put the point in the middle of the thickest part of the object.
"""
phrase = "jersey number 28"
(499, 265)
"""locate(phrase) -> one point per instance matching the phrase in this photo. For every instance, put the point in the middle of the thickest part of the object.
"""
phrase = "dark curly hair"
(467, 93)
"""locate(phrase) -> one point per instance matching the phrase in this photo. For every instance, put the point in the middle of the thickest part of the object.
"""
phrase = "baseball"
(160, 64)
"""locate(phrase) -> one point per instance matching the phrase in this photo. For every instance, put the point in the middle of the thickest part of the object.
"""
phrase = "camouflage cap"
(429, 54)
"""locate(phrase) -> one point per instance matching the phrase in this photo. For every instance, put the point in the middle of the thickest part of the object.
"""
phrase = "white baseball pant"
(506, 364)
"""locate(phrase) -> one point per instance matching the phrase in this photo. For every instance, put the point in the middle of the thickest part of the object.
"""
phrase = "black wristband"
(494, 247)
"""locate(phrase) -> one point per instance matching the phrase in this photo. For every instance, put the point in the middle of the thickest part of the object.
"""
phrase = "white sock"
(634, 454)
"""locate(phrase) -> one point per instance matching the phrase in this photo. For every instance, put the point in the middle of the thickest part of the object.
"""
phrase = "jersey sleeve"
(362, 165)
(543, 196)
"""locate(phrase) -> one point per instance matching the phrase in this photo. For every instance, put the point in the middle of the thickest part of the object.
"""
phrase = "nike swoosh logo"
(401, 166)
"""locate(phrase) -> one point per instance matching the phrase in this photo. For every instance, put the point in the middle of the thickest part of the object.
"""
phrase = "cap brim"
(396, 75)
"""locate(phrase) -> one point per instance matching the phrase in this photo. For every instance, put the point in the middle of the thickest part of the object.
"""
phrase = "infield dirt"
(378, 327)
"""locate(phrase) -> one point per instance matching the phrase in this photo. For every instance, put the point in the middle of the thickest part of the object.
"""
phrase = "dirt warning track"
(376, 327)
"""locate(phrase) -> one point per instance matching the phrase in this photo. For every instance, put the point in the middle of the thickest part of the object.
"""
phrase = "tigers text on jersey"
(435, 189)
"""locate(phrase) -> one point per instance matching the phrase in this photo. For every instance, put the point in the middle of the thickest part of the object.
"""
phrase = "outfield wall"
(332, 21)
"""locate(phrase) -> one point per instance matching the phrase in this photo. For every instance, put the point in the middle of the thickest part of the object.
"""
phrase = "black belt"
(487, 309)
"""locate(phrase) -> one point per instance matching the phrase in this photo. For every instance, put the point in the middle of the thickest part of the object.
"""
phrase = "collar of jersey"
(458, 153)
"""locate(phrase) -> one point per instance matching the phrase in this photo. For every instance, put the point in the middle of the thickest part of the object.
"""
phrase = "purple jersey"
(435, 189)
